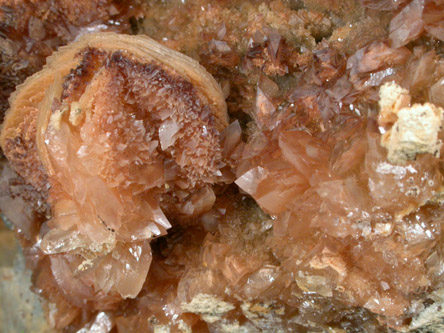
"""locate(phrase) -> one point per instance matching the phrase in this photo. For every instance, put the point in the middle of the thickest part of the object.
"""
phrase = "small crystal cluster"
(31, 30)
(328, 205)
(126, 140)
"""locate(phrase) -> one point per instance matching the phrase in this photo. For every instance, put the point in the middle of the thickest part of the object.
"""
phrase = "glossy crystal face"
(125, 138)
(318, 208)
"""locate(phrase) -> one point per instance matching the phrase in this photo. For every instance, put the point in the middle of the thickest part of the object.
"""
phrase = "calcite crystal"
(298, 188)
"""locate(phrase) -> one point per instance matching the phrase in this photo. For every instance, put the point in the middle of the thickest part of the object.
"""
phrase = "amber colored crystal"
(113, 145)
(317, 207)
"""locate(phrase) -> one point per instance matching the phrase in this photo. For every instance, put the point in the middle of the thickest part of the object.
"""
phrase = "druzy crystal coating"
(315, 205)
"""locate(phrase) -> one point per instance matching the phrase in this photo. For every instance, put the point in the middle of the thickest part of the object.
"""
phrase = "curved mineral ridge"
(115, 131)
(319, 208)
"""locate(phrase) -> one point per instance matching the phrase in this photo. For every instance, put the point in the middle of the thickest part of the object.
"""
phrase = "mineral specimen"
(131, 127)
(317, 208)
(31, 30)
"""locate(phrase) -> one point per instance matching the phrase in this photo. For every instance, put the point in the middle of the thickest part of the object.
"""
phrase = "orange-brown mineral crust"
(280, 170)
(31, 30)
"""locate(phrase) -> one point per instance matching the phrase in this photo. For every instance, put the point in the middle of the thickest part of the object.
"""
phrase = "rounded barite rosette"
(120, 133)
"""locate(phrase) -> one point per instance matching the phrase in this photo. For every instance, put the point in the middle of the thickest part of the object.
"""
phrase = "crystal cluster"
(31, 30)
(130, 133)
(319, 208)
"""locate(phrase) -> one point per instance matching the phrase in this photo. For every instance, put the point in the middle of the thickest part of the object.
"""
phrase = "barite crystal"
(298, 188)
(105, 124)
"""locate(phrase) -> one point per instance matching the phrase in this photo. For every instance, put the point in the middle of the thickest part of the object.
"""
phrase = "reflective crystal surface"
(318, 208)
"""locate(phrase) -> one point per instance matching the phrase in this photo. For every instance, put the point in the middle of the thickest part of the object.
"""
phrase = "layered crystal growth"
(298, 188)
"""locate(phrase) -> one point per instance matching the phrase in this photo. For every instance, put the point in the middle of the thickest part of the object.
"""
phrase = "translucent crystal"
(318, 208)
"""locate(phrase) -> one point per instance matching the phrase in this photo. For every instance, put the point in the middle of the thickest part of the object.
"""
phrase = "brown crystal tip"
(118, 129)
